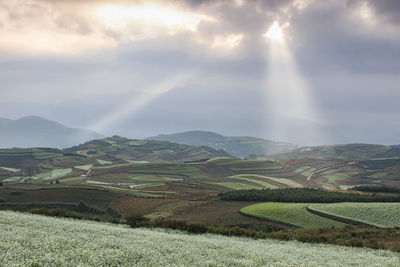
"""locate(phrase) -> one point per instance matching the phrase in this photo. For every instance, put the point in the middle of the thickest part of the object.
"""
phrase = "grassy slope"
(378, 214)
(28, 194)
(27, 239)
(236, 186)
(119, 149)
(290, 213)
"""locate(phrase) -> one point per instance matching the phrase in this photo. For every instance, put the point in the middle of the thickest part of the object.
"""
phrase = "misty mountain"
(347, 151)
(238, 146)
(303, 132)
(34, 131)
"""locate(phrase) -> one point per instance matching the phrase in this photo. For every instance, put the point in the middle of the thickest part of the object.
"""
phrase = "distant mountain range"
(34, 131)
(347, 151)
(238, 146)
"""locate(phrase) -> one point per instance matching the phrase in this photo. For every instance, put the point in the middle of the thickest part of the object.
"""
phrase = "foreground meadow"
(47, 241)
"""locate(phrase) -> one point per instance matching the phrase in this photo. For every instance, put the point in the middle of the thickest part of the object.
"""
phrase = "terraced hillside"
(118, 149)
(108, 169)
(348, 151)
(174, 189)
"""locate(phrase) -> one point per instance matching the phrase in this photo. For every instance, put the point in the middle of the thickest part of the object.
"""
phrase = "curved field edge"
(336, 217)
(48, 241)
(267, 219)
(292, 214)
(369, 214)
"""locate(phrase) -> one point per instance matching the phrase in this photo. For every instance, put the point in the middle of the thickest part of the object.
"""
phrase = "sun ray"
(288, 94)
(274, 33)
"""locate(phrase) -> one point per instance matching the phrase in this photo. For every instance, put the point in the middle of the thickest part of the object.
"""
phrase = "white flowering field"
(26, 239)
(377, 214)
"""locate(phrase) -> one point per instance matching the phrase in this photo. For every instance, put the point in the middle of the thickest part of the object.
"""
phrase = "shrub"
(197, 228)
(56, 213)
(137, 220)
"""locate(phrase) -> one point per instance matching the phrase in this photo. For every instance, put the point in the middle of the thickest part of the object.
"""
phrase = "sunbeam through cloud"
(288, 94)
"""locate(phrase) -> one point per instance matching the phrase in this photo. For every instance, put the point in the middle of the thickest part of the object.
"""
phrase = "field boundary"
(338, 218)
(269, 220)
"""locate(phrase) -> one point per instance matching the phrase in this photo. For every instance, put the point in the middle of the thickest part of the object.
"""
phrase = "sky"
(327, 73)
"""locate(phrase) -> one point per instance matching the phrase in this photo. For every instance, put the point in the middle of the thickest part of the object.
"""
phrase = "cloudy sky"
(302, 71)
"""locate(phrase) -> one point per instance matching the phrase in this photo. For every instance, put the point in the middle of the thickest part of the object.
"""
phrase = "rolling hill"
(238, 146)
(34, 131)
(347, 151)
(121, 149)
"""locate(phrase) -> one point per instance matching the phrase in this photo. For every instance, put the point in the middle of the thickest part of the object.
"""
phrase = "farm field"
(256, 179)
(33, 239)
(290, 213)
(376, 214)
(237, 186)
(114, 160)
(28, 195)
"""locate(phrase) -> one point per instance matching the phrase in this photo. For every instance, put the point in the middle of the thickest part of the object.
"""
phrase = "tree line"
(303, 195)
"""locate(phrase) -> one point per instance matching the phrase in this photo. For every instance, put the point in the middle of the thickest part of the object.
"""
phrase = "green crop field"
(236, 186)
(285, 181)
(291, 213)
(57, 173)
(140, 186)
(77, 179)
(13, 179)
(305, 170)
(254, 180)
(84, 167)
(243, 169)
(377, 214)
(10, 169)
(103, 162)
(145, 177)
(28, 240)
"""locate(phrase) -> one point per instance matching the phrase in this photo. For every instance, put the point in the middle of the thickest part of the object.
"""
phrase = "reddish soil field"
(128, 205)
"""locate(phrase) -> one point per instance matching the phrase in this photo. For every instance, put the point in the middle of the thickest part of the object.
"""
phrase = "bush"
(137, 220)
(197, 228)
(56, 213)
